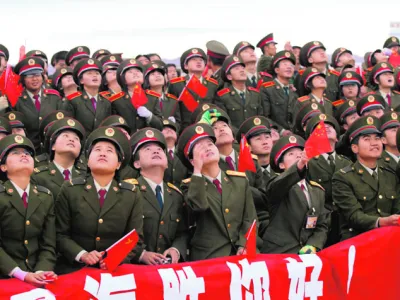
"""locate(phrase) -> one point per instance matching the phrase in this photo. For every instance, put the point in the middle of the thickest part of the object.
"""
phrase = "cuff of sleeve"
(377, 223)
(18, 273)
(148, 119)
(78, 257)
(197, 174)
(141, 256)
(179, 254)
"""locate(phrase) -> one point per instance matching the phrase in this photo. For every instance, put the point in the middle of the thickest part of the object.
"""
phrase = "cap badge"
(371, 98)
(71, 122)
(383, 65)
(394, 116)
(235, 58)
(322, 117)
(316, 43)
(80, 49)
(31, 62)
(348, 75)
(63, 71)
(19, 139)
(245, 43)
(101, 52)
(109, 132)
(60, 116)
(314, 106)
(314, 70)
(257, 121)
(351, 103)
(287, 54)
(195, 51)
(11, 117)
(149, 133)
(155, 66)
(292, 139)
(132, 61)
(205, 107)
(112, 58)
(165, 122)
(199, 129)
(121, 120)
(90, 62)
(370, 121)
(394, 39)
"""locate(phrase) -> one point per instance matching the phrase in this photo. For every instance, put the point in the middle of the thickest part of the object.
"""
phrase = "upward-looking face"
(261, 144)
(111, 76)
(237, 73)
(133, 76)
(350, 91)
(151, 155)
(271, 49)
(172, 73)
(223, 133)
(207, 151)
(319, 82)
(318, 56)
(195, 64)
(156, 79)
(290, 157)
(386, 80)
(67, 142)
(389, 137)
(67, 81)
(248, 55)
(103, 159)
(19, 161)
(169, 134)
(91, 78)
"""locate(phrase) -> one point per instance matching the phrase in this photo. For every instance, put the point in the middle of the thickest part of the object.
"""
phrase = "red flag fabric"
(195, 85)
(205, 72)
(251, 243)
(12, 88)
(318, 142)
(22, 53)
(139, 97)
(187, 99)
(246, 162)
(394, 60)
(3, 82)
(119, 251)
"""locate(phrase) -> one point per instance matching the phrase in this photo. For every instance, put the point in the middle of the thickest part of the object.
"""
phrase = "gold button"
(350, 229)
(229, 225)
(162, 222)
(100, 221)
(98, 239)
(365, 198)
(380, 197)
(28, 223)
(177, 220)
(245, 110)
(40, 118)
(161, 236)
(26, 260)
(227, 210)
(26, 242)
(379, 210)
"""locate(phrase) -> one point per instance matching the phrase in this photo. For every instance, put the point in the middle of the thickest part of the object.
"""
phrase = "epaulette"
(338, 102)
(41, 157)
(49, 81)
(174, 187)
(255, 157)
(52, 92)
(327, 100)
(172, 96)
(396, 92)
(187, 180)
(127, 186)
(236, 173)
(301, 71)
(77, 181)
(105, 94)
(268, 84)
(304, 98)
(250, 88)
(40, 169)
(223, 92)
(116, 96)
(212, 80)
(153, 93)
(387, 169)
(316, 184)
(177, 79)
(266, 74)
(334, 72)
(43, 189)
(346, 169)
(343, 157)
(132, 181)
(74, 95)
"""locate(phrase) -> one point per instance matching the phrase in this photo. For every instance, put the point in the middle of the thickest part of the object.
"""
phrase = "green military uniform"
(255, 80)
(392, 100)
(217, 50)
(388, 121)
(265, 61)
(361, 198)
(76, 54)
(306, 111)
(28, 236)
(287, 194)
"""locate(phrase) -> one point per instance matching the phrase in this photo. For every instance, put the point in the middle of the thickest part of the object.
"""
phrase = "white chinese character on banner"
(35, 294)
(256, 272)
(124, 285)
(182, 283)
(299, 288)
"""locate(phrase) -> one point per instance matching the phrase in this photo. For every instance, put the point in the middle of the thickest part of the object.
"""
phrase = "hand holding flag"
(246, 162)
(139, 97)
(318, 141)
(195, 86)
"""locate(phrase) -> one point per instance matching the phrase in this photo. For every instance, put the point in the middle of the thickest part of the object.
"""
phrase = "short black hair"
(142, 55)
(171, 65)
(216, 61)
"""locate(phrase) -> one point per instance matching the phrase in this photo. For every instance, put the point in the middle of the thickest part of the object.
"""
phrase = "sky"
(171, 27)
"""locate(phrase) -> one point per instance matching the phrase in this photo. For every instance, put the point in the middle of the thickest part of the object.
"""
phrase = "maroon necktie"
(94, 104)
(25, 199)
(321, 102)
(37, 102)
(389, 99)
(102, 194)
(230, 163)
(161, 104)
(171, 154)
(66, 173)
(217, 184)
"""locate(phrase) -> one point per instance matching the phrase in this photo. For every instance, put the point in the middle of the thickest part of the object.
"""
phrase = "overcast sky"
(171, 27)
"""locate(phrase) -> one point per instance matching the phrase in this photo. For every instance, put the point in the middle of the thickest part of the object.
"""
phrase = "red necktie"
(389, 99)
(161, 104)
(321, 102)
(230, 163)
(37, 102)
(66, 174)
(171, 154)
(25, 199)
(217, 184)
(94, 104)
(102, 194)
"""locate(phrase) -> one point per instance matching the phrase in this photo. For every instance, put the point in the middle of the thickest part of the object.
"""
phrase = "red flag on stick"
(246, 162)
(251, 244)
(22, 54)
(117, 252)
(318, 141)
(139, 97)
(195, 85)
(187, 99)
(12, 88)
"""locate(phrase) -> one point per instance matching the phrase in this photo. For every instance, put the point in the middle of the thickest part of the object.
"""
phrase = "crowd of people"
(82, 165)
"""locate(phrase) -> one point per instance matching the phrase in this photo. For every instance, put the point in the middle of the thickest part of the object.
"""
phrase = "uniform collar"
(232, 155)
(21, 191)
(396, 158)
(99, 187)
(61, 169)
(153, 185)
(212, 179)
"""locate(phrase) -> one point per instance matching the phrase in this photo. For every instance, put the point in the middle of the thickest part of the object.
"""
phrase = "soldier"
(58, 60)
(370, 60)
(129, 76)
(101, 53)
(76, 54)
(42, 56)
(292, 197)
(245, 51)
(4, 56)
(154, 57)
(342, 57)
(268, 49)
(93, 213)
(382, 78)
(367, 194)
(371, 105)
(63, 142)
(164, 224)
(192, 63)
(17, 122)
(28, 237)
(35, 101)
(110, 84)
(222, 201)
(171, 72)
(216, 54)
(5, 128)
(389, 124)
(238, 100)
(278, 98)
(89, 107)
(143, 59)
(63, 82)
(350, 84)
(306, 111)
(393, 44)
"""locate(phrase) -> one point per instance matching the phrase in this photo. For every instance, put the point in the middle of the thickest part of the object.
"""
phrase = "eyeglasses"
(20, 152)
(30, 76)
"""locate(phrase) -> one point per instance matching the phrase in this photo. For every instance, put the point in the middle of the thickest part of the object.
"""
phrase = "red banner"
(365, 267)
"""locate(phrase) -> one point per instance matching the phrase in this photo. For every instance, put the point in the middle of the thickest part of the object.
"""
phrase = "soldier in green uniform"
(110, 65)
(306, 111)
(371, 105)
(99, 54)
(58, 60)
(63, 142)
(292, 197)
(4, 56)
(268, 48)
(17, 122)
(238, 100)
(42, 56)
(5, 128)
(342, 57)
(216, 54)
(164, 220)
(94, 212)
(63, 81)
(35, 101)
(129, 76)
(350, 84)
(27, 221)
(322, 167)
(76, 54)
(278, 98)
(389, 124)
(382, 79)
(370, 60)
(221, 201)
(368, 195)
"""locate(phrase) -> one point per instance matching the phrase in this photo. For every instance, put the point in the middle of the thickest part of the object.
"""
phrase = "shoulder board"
(250, 88)
(127, 186)
(49, 81)
(387, 169)
(369, 69)
(304, 98)
(52, 92)
(334, 72)
(301, 71)
(172, 96)
(316, 184)
(254, 156)
(344, 157)
(43, 189)
(153, 93)
(338, 102)
(396, 92)
(212, 80)
(187, 180)
(235, 173)
(131, 181)
(268, 84)
(116, 96)
(41, 157)
(346, 169)
(105, 94)
(327, 100)
(174, 187)
(223, 92)
(177, 79)
(266, 74)
(40, 169)
(78, 181)
(74, 95)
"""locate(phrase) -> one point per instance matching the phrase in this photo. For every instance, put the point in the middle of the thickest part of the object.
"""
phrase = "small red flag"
(117, 252)
(139, 97)
(251, 243)
(205, 72)
(22, 54)
(318, 141)
(3, 82)
(246, 162)
(12, 88)
(195, 86)
(187, 99)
